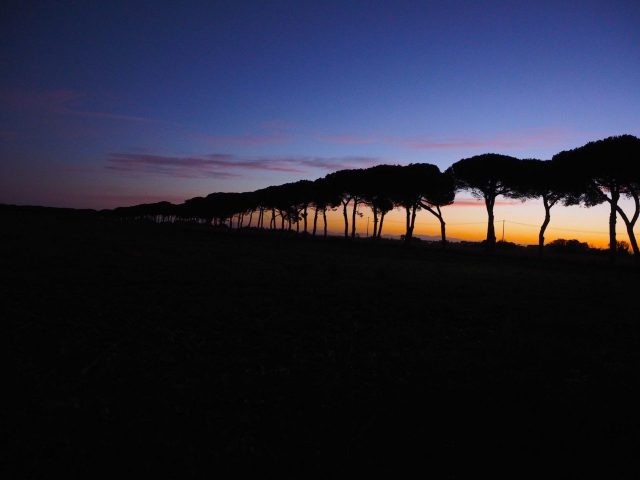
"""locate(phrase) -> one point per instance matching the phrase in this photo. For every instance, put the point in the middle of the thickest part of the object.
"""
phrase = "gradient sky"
(132, 102)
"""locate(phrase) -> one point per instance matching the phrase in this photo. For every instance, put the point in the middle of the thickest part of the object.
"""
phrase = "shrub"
(568, 246)
(622, 247)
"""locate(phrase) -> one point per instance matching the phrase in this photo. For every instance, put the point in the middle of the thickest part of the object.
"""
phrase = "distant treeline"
(598, 172)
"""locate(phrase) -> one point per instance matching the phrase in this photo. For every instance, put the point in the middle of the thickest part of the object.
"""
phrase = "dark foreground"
(182, 351)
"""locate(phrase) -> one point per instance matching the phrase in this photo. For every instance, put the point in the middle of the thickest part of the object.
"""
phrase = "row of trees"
(288, 206)
(599, 172)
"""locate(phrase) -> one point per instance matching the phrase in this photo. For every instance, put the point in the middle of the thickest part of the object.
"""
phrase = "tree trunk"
(346, 219)
(324, 218)
(411, 221)
(315, 222)
(630, 224)
(375, 221)
(353, 217)
(632, 235)
(543, 228)
(381, 223)
(250, 218)
(491, 232)
(613, 244)
(443, 226)
(438, 214)
(407, 223)
(414, 210)
(304, 217)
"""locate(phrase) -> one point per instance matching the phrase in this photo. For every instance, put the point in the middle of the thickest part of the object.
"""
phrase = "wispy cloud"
(338, 163)
(276, 124)
(8, 135)
(272, 132)
(61, 102)
(220, 165)
(47, 100)
(180, 167)
(503, 140)
(110, 116)
(245, 140)
(347, 139)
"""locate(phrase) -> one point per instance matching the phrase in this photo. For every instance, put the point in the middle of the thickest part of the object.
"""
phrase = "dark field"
(184, 350)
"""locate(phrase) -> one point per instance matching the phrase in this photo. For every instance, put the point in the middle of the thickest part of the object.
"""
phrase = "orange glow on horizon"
(469, 223)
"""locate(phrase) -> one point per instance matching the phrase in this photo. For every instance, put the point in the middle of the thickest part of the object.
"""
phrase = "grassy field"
(186, 350)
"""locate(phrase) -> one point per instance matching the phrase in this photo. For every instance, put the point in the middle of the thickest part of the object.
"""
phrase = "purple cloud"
(187, 167)
(219, 165)
(339, 163)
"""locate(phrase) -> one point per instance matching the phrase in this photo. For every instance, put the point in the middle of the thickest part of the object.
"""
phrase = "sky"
(121, 103)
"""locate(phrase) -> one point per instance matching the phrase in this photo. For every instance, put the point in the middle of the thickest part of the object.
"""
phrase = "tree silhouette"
(346, 185)
(376, 193)
(323, 198)
(405, 190)
(608, 169)
(545, 180)
(439, 191)
(417, 186)
(299, 195)
(159, 212)
(486, 176)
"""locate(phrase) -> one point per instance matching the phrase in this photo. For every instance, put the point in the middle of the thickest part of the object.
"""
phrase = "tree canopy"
(606, 170)
(486, 177)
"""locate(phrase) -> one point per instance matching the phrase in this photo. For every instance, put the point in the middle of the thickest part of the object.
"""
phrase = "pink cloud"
(168, 166)
(224, 166)
(339, 163)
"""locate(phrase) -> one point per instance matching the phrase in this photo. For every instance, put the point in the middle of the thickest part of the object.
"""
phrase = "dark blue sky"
(121, 104)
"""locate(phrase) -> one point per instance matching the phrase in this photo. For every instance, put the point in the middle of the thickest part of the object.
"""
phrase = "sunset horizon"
(291, 236)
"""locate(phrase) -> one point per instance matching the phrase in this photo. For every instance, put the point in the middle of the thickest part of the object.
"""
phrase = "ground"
(184, 349)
